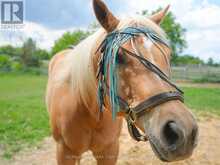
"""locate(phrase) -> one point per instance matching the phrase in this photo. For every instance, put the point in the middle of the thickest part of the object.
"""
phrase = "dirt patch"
(131, 152)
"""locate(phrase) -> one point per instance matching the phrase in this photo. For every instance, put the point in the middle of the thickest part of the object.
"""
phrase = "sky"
(47, 20)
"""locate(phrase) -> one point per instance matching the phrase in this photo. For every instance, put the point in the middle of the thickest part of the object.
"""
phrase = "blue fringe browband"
(108, 62)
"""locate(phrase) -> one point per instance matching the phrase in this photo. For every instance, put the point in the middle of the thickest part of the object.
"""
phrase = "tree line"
(30, 56)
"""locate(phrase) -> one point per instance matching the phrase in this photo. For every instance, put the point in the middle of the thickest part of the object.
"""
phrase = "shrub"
(5, 63)
(16, 66)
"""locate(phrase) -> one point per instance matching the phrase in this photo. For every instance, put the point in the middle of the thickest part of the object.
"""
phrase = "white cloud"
(204, 43)
(203, 30)
(202, 17)
(44, 37)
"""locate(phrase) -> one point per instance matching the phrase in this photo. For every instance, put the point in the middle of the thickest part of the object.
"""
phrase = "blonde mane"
(78, 66)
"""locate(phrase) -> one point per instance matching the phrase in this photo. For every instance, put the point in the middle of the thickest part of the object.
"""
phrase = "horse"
(122, 71)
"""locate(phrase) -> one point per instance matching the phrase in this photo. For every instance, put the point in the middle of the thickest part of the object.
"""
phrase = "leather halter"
(132, 113)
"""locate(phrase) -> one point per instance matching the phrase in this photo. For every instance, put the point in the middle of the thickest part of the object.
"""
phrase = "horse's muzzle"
(175, 143)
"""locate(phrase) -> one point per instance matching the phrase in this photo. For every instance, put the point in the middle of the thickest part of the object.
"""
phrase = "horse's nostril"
(171, 134)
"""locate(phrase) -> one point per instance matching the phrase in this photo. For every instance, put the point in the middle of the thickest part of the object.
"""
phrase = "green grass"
(24, 119)
(203, 100)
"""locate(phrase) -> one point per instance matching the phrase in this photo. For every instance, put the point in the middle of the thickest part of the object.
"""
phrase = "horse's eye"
(121, 58)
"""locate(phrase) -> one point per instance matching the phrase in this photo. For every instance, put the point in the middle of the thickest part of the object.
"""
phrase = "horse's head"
(134, 70)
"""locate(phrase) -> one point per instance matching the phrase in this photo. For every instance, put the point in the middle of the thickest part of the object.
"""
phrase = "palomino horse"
(121, 71)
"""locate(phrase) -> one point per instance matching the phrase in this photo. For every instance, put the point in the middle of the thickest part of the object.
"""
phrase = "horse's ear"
(104, 16)
(159, 16)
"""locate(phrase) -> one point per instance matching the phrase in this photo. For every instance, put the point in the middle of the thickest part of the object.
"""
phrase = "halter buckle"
(130, 117)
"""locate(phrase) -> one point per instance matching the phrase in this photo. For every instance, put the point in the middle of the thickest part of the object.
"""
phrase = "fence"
(200, 73)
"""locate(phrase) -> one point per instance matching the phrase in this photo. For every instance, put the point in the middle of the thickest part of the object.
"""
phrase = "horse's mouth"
(160, 153)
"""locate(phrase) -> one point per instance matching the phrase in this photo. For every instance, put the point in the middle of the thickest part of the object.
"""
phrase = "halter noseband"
(107, 66)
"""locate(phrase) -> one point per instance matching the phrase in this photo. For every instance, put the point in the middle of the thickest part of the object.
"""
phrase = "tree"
(188, 60)
(210, 62)
(17, 58)
(10, 51)
(68, 39)
(175, 33)
(28, 56)
(42, 54)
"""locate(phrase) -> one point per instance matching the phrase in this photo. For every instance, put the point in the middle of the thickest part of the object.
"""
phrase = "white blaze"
(148, 44)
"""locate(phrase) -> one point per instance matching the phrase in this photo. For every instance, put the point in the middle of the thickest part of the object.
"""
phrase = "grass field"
(203, 100)
(23, 116)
